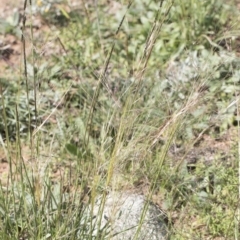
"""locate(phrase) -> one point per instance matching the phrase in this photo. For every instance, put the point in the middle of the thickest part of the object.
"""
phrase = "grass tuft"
(129, 97)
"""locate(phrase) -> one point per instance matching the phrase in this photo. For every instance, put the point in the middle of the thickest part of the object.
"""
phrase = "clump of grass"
(110, 129)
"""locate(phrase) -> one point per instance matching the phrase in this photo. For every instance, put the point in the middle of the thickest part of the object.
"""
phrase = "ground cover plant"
(139, 95)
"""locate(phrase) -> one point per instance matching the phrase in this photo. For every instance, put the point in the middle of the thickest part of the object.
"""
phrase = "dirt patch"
(9, 45)
(9, 6)
(10, 54)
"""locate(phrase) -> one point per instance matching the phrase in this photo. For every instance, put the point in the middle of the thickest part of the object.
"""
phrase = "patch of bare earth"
(9, 45)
